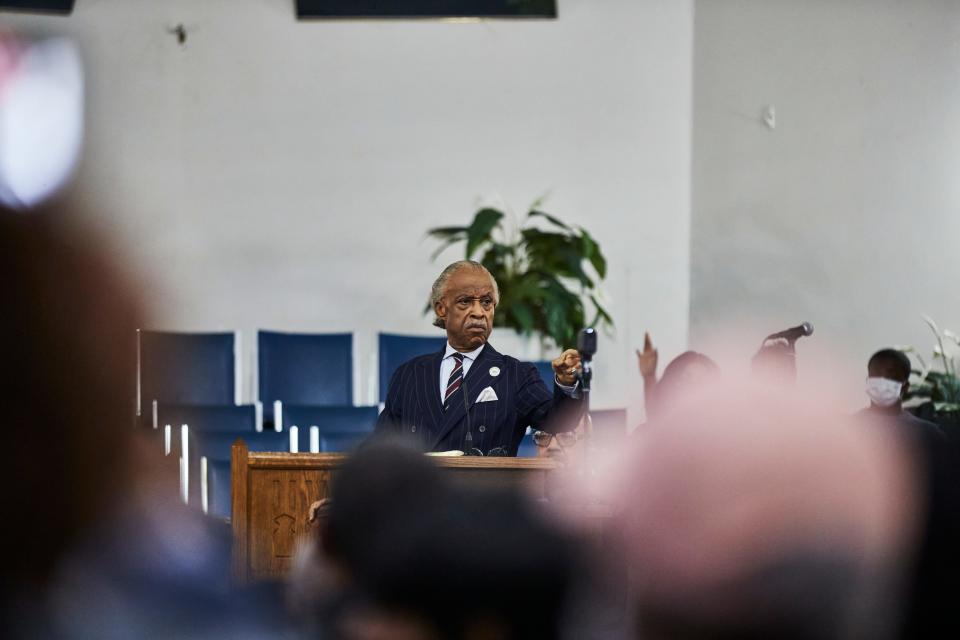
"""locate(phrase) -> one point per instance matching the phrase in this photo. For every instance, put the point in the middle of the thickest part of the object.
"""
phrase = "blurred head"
(452, 560)
(464, 298)
(750, 513)
(685, 374)
(890, 364)
(775, 363)
(67, 384)
(888, 375)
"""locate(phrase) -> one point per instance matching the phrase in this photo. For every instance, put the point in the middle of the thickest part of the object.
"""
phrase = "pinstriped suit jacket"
(413, 406)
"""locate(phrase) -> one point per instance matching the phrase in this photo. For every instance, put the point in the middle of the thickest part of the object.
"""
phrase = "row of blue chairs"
(292, 368)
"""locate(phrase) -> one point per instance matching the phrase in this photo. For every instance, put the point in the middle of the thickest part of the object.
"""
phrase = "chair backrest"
(340, 441)
(327, 420)
(330, 418)
(394, 350)
(187, 368)
(609, 427)
(244, 418)
(215, 488)
(545, 369)
(527, 447)
(304, 368)
(609, 422)
(216, 446)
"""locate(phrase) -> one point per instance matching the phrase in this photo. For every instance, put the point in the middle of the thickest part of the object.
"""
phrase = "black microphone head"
(587, 343)
(807, 328)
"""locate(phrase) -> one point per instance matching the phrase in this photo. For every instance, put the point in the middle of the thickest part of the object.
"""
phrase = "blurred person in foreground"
(100, 546)
(747, 512)
(470, 397)
(408, 552)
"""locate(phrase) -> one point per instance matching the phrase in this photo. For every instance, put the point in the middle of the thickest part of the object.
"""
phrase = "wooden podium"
(272, 493)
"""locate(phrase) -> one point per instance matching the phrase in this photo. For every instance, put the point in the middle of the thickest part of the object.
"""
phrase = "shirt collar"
(472, 355)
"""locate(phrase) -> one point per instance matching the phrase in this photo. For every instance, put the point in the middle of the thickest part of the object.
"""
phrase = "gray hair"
(440, 285)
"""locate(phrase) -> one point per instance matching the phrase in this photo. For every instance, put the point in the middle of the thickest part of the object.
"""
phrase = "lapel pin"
(494, 371)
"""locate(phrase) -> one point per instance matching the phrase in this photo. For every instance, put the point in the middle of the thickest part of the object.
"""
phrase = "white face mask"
(883, 392)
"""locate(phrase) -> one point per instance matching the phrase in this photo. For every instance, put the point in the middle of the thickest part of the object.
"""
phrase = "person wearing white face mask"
(888, 378)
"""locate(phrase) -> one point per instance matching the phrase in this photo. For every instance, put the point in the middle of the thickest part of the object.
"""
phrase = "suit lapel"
(428, 377)
(476, 380)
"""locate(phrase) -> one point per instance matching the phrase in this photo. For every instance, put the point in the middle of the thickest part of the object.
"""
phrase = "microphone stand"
(586, 347)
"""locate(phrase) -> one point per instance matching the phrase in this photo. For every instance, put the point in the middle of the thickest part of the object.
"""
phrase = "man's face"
(467, 308)
(889, 371)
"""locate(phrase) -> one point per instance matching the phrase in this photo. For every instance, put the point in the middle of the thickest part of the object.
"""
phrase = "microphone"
(468, 439)
(587, 343)
(793, 333)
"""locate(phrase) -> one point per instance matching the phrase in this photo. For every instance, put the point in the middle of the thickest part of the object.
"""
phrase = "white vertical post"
(373, 377)
(357, 377)
(184, 464)
(314, 439)
(237, 369)
(277, 415)
(294, 439)
(204, 495)
(166, 439)
(258, 416)
(138, 373)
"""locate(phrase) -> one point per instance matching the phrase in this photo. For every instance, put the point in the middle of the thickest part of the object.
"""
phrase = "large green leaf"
(524, 317)
(481, 229)
(543, 276)
(535, 213)
(452, 240)
(446, 232)
(602, 317)
(592, 252)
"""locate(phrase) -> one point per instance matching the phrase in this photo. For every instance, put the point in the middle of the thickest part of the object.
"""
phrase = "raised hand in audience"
(647, 359)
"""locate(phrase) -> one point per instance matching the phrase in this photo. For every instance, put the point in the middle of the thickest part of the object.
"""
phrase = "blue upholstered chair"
(187, 368)
(340, 427)
(217, 445)
(527, 447)
(341, 441)
(609, 427)
(394, 350)
(244, 418)
(215, 488)
(304, 369)
(612, 422)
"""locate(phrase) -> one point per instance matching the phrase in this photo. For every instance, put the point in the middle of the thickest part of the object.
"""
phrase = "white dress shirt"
(448, 363)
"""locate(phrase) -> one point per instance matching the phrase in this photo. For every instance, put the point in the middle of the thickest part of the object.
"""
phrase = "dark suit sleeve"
(541, 410)
(391, 418)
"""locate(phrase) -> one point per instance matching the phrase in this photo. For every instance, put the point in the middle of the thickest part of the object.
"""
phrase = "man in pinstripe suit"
(470, 397)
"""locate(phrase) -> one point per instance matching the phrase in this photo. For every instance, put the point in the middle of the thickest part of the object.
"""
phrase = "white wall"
(281, 175)
(848, 213)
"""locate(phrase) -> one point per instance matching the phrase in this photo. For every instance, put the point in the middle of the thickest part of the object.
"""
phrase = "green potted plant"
(547, 276)
(934, 392)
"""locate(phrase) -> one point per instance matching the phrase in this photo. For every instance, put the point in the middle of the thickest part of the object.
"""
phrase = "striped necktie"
(455, 380)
